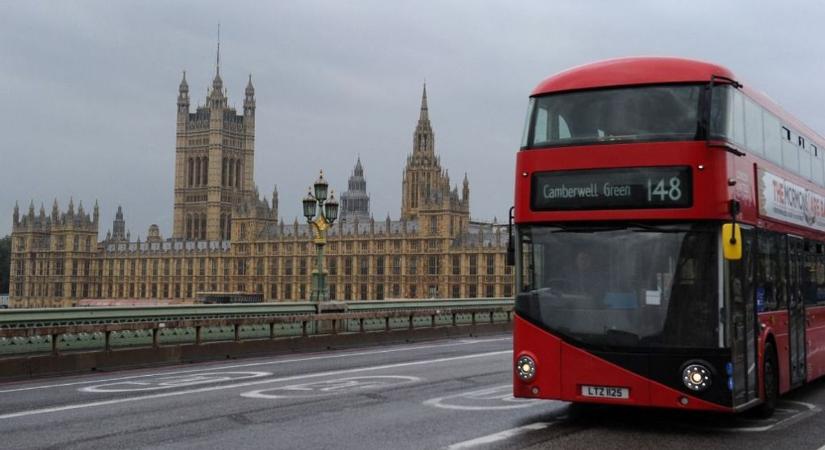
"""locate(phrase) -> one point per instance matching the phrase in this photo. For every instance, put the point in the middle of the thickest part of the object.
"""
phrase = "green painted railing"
(30, 331)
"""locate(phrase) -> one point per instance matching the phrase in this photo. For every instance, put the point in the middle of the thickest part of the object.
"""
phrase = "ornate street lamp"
(320, 213)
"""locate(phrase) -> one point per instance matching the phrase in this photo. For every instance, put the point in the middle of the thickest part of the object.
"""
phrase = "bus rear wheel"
(770, 383)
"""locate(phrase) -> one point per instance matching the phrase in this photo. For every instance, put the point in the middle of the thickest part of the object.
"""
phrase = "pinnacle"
(424, 115)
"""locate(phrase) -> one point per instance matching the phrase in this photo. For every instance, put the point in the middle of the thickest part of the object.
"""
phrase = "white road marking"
(487, 399)
(175, 381)
(256, 364)
(33, 412)
(500, 436)
(332, 387)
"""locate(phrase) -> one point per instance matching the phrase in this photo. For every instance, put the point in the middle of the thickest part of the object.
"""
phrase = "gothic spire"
(218, 59)
(465, 191)
(249, 98)
(359, 169)
(217, 83)
(424, 115)
(424, 137)
(250, 90)
(184, 86)
(119, 225)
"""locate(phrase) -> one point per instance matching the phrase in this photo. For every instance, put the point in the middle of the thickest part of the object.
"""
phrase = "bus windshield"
(627, 114)
(624, 286)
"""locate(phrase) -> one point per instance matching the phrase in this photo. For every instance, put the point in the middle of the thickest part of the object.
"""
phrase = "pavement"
(452, 394)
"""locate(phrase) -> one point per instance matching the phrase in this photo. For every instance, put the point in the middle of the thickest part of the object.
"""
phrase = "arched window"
(205, 176)
(231, 171)
(195, 228)
(203, 227)
(191, 173)
(238, 178)
(197, 171)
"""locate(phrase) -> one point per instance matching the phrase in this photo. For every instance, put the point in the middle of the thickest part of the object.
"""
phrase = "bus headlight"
(696, 377)
(526, 368)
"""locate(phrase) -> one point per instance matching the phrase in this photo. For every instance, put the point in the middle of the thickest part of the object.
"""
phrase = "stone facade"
(214, 162)
(227, 239)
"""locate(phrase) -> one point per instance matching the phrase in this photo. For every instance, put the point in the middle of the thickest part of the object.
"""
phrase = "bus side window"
(819, 273)
(773, 137)
(808, 275)
(541, 133)
(765, 296)
(564, 130)
(737, 131)
(781, 244)
(753, 128)
(770, 280)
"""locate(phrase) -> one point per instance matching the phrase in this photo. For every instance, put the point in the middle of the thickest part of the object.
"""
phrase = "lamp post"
(320, 213)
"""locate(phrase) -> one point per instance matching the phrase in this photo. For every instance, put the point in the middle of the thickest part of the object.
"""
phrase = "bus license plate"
(605, 392)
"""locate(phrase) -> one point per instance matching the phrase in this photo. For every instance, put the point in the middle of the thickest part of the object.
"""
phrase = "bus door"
(739, 298)
(796, 311)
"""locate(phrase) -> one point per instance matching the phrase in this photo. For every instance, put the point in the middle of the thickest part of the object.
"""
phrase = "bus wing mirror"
(511, 246)
(511, 253)
(732, 241)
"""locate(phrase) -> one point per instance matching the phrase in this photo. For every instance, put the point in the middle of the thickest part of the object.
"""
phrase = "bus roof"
(644, 70)
(631, 71)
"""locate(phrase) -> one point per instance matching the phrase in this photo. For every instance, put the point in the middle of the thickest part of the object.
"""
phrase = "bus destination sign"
(625, 188)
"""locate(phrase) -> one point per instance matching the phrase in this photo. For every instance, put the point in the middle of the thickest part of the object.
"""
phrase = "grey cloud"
(88, 88)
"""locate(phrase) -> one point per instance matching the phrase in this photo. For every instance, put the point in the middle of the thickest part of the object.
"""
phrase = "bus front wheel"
(770, 383)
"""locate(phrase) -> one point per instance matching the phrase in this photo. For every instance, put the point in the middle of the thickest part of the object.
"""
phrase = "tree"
(5, 263)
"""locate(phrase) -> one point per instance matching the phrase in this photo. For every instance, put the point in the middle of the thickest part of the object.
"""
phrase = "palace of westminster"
(225, 238)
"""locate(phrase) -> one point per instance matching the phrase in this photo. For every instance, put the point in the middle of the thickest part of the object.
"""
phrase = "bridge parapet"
(63, 332)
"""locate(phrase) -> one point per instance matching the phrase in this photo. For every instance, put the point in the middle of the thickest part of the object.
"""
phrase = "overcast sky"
(88, 88)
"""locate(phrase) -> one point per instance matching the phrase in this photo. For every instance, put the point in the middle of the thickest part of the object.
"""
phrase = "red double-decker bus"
(669, 240)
